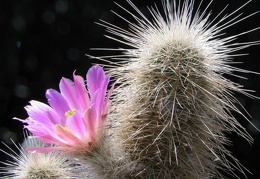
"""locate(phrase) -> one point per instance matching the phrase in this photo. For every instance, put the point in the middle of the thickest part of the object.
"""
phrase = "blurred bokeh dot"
(19, 23)
(7, 136)
(48, 17)
(18, 44)
(61, 6)
(21, 91)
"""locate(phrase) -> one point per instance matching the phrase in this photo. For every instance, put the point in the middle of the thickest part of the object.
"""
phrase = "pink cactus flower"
(74, 118)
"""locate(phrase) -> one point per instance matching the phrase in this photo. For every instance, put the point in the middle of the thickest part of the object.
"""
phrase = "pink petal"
(97, 85)
(58, 103)
(46, 134)
(49, 139)
(97, 102)
(37, 129)
(105, 110)
(82, 94)
(90, 122)
(67, 135)
(76, 124)
(106, 107)
(42, 113)
(68, 91)
(96, 79)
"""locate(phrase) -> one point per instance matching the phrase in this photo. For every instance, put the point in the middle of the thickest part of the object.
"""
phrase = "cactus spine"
(174, 105)
(170, 111)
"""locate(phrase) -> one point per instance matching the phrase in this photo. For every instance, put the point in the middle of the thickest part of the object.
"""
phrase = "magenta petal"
(58, 103)
(97, 83)
(46, 138)
(90, 122)
(38, 115)
(105, 110)
(95, 79)
(51, 139)
(41, 112)
(103, 89)
(21, 120)
(76, 124)
(68, 91)
(67, 135)
(96, 102)
(82, 93)
(41, 130)
(106, 106)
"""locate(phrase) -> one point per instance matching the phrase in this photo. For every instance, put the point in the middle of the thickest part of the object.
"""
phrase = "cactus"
(33, 165)
(174, 105)
(167, 117)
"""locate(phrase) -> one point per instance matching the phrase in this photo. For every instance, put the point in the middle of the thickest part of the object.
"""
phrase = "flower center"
(70, 112)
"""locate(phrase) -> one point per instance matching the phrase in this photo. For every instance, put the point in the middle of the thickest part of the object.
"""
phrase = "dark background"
(44, 40)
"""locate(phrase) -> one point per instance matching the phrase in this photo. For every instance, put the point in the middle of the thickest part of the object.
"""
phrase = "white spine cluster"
(32, 165)
(174, 104)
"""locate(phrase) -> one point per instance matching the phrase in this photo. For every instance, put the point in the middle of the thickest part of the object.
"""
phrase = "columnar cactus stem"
(107, 161)
(174, 105)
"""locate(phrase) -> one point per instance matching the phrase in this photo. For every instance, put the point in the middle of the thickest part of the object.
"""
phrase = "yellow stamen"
(70, 113)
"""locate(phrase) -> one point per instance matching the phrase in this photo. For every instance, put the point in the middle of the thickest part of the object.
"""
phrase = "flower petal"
(82, 94)
(91, 123)
(67, 135)
(42, 113)
(97, 83)
(106, 107)
(68, 91)
(97, 80)
(76, 124)
(50, 139)
(58, 103)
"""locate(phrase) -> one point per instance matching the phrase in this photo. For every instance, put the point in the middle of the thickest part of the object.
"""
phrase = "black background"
(44, 40)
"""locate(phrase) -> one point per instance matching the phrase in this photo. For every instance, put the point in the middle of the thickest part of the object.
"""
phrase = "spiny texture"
(106, 161)
(27, 165)
(174, 104)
